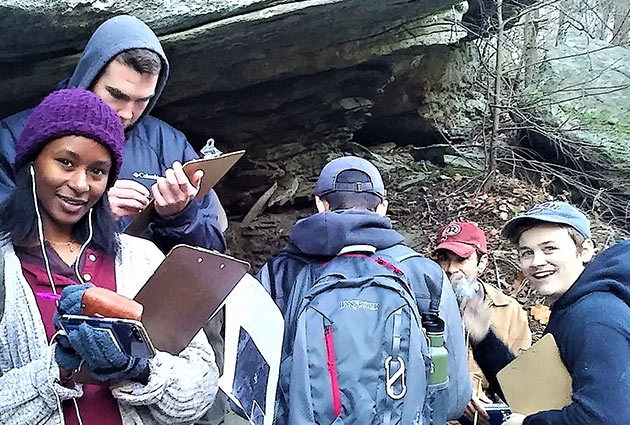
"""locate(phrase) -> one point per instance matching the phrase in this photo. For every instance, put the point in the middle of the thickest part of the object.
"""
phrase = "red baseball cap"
(461, 237)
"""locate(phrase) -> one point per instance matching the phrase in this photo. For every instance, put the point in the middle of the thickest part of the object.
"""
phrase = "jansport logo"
(358, 304)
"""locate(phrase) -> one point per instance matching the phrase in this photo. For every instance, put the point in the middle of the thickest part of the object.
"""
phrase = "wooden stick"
(476, 417)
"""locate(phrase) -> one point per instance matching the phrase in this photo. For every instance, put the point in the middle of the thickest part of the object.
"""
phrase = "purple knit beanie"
(75, 112)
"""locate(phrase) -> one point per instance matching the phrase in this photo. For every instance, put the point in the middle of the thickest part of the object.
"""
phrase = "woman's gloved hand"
(96, 347)
(101, 353)
(69, 303)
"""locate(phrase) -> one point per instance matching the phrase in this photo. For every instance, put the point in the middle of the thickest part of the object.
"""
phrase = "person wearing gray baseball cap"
(351, 223)
(555, 212)
(590, 313)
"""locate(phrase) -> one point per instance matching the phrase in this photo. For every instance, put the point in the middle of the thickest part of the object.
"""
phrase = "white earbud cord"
(40, 233)
(83, 247)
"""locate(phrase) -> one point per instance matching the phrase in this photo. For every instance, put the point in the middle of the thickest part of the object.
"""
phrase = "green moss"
(610, 127)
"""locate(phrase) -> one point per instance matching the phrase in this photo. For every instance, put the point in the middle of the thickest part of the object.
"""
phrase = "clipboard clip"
(209, 150)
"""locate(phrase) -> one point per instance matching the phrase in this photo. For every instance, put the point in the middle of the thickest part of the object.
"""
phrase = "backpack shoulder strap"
(428, 269)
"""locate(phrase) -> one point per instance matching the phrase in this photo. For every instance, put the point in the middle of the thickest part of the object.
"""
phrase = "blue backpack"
(355, 349)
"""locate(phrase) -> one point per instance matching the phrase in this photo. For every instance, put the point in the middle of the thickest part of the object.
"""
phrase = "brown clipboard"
(213, 170)
(184, 292)
(537, 380)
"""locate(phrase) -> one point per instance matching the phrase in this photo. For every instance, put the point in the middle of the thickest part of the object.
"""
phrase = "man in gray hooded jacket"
(351, 205)
(125, 65)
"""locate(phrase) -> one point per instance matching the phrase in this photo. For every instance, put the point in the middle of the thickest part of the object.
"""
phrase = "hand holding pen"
(127, 198)
(174, 191)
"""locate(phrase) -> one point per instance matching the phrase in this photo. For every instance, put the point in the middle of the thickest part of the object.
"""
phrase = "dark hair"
(576, 236)
(143, 61)
(18, 219)
(352, 200)
(347, 200)
(479, 253)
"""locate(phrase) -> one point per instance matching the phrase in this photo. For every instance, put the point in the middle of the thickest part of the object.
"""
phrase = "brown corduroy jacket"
(509, 321)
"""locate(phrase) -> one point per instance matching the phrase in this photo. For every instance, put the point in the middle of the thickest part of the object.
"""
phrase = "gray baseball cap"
(550, 212)
(365, 179)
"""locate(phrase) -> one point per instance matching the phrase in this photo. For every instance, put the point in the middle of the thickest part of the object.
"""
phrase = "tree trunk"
(603, 27)
(621, 27)
(496, 109)
(530, 47)
(563, 20)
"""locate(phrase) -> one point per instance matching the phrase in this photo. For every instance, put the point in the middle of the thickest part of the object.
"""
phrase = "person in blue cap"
(351, 203)
(590, 313)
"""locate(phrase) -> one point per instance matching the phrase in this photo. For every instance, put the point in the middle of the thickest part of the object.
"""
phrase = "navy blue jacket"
(320, 237)
(591, 324)
(151, 145)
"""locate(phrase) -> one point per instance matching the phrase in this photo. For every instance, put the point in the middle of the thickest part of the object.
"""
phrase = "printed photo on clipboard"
(254, 328)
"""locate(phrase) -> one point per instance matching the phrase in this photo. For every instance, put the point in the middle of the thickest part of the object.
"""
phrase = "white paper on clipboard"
(254, 328)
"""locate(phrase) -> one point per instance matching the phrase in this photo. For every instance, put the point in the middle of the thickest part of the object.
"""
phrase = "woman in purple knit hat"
(57, 238)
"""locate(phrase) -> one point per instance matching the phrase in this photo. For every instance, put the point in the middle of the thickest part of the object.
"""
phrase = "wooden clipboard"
(213, 168)
(184, 292)
(537, 380)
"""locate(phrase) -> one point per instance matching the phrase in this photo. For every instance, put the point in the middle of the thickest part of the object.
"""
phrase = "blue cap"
(550, 212)
(366, 180)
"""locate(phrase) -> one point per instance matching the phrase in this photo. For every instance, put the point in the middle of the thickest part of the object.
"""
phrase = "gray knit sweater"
(180, 388)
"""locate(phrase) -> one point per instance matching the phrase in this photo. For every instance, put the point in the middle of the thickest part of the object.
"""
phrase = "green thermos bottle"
(434, 327)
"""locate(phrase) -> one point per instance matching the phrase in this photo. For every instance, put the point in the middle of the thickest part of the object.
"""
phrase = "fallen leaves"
(541, 313)
(518, 284)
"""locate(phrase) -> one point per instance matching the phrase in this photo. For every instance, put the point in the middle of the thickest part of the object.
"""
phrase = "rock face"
(243, 72)
(581, 111)
(61, 27)
(432, 96)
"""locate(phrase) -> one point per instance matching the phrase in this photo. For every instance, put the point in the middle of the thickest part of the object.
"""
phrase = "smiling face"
(125, 90)
(71, 176)
(550, 259)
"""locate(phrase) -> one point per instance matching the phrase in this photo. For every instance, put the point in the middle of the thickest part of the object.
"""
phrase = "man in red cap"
(462, 252)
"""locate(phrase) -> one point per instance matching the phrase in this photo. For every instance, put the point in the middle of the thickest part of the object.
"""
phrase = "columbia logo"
(358, 304)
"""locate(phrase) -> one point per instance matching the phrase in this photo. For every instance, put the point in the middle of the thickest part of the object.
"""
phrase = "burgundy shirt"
(97, 406)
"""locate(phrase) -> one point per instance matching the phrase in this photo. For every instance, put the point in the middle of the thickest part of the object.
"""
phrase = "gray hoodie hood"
(111, 38)
(325, 234)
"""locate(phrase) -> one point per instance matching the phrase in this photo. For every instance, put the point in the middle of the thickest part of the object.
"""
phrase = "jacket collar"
(495, 297)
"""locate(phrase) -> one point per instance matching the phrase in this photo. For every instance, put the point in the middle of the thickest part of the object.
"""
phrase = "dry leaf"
(517, 284)
(541, 313)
